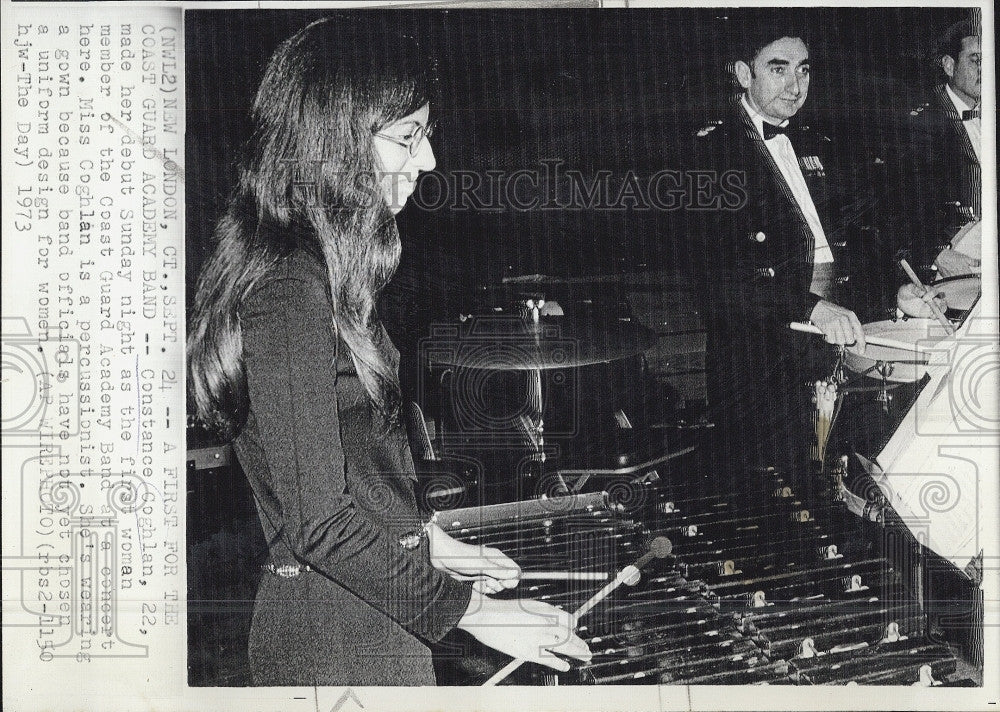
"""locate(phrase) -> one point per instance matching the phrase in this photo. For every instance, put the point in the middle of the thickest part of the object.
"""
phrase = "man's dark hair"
(748, 38)
(950, 44)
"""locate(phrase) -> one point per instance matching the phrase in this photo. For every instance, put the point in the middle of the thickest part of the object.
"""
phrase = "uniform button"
(765, 271)
(760, 237)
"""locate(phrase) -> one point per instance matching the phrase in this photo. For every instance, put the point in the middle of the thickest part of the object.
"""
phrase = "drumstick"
(922, 290)
(658, 548)
(563, 575)
(545, 576)
(873, 340)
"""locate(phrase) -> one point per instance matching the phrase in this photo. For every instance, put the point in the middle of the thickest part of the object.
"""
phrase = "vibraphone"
(761, 591)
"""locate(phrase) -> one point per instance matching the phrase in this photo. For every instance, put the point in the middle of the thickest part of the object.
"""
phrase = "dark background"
(597, 89)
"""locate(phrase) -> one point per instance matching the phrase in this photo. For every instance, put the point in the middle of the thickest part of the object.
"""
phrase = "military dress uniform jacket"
(344, 603)
(935, 182)
(753, 246)
(752, 258)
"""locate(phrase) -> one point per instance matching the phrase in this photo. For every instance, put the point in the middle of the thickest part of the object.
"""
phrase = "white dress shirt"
(781, 150)
(973, 127)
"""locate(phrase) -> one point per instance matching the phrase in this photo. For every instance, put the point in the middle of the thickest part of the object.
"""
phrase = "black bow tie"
(770, 130)
(967, 115)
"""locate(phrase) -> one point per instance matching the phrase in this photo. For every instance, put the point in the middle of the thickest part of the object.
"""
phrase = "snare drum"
(961, 293)
(897, 365)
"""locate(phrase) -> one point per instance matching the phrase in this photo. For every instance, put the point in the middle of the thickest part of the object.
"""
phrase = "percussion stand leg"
(533, 421)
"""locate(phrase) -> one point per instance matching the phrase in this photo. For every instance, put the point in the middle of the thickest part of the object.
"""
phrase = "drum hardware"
(884, 369)
(839, 375)
(478, 357)
(641, 473)
(895, 355)
(534, 308)
(870, 507)
(417, 427)
(532, 421)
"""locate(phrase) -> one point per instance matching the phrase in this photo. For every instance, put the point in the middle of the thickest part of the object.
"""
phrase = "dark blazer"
(935, 181)
(755, 248)
(334, 492)
(752, 258)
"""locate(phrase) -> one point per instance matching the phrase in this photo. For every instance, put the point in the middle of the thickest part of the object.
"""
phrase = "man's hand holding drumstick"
(913, 301)
(923, 291)
(839, 325)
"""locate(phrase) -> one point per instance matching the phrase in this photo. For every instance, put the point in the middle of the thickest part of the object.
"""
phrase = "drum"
(961, 293)
(897, 365)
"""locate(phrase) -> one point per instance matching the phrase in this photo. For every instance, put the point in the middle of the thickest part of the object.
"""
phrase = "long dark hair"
(308, 179)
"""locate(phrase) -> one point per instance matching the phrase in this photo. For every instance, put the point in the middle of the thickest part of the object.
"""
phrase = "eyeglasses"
(412, 142)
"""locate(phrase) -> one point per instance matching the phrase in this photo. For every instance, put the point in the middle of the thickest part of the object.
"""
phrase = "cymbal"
(513, 343)
(570, 294)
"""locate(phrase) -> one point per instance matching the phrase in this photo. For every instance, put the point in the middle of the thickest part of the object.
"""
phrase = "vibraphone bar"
(763, 590)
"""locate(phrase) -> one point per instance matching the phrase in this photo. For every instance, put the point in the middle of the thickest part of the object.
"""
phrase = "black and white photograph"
(561, 346)
(599, 354)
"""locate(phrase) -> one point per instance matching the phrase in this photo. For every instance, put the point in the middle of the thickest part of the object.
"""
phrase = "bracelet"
(411, 540)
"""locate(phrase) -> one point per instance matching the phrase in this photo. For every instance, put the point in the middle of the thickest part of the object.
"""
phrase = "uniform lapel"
(955, 122)
(771, 171)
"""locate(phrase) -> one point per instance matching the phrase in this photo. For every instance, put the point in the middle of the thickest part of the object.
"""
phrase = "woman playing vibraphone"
(288, 357)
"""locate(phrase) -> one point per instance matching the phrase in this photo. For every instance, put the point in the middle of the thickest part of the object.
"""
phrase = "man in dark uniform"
(937, 178)
(766, 260)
